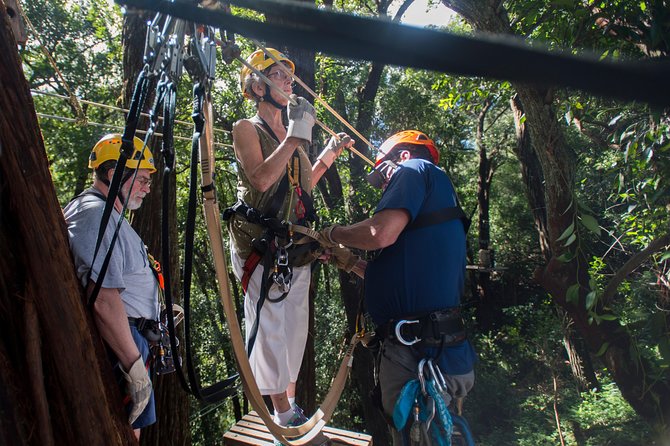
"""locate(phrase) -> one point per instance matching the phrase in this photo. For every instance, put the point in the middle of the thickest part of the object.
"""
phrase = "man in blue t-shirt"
(418, 272)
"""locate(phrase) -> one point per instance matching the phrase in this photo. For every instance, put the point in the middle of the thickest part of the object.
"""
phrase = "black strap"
(439, 216)
(222, 389)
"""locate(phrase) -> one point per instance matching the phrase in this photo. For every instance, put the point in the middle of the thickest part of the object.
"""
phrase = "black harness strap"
(222, 389)
(440, 216)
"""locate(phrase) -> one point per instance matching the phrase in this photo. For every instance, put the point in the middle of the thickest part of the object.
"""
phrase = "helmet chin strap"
(267, 97)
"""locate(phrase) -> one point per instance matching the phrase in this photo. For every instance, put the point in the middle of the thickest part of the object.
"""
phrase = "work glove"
(334, 148)
(325, 238)
(301, 117)
(138, 387)
(343, 258)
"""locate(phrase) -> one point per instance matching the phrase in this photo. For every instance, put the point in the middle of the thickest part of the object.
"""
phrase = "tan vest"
(241, 231)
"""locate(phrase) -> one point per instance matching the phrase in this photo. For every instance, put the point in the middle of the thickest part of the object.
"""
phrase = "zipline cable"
(111, 107)
(498, 57)
(117, 127)
(295, 77)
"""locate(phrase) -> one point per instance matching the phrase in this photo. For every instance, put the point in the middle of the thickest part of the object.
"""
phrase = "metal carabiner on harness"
(398, 334)
(282, 273)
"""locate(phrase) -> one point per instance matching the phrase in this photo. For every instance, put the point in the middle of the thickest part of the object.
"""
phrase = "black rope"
(499, 57)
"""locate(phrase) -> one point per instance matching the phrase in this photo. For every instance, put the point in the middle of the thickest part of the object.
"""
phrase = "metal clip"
(283, 279)
(282, 256)
(398, 335)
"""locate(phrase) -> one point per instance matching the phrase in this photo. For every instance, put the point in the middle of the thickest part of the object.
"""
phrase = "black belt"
(148, 328)
(439, 328)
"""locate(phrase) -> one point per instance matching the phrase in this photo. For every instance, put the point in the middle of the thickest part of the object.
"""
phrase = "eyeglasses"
(281, 76)
(144, 182)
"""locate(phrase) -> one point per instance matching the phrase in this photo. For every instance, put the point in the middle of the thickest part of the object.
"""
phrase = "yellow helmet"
(260, 61)
(109, 148)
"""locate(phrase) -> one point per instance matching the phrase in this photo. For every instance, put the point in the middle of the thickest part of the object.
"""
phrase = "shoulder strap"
(260, 123)
(90, 192)
(440, 216)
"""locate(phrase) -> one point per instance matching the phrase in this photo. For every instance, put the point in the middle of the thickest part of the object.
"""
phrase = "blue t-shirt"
(424, 269)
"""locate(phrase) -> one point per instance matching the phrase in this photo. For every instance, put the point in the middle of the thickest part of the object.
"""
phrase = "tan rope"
(285, 69)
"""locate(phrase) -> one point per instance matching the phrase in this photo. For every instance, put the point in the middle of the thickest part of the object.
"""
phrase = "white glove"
(138, 387)
(334, 149)
(301, 117)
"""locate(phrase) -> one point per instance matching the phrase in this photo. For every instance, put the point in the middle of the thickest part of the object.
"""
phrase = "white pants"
(282, 328)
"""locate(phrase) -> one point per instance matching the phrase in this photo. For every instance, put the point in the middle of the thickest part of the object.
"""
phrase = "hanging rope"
(212, 212)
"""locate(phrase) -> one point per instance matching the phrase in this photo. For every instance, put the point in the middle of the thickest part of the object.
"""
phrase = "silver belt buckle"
(398, 335)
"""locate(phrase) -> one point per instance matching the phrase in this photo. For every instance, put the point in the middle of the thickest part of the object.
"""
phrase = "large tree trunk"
(581, 363)
(172, 403)
(650, 399)
(53, 391)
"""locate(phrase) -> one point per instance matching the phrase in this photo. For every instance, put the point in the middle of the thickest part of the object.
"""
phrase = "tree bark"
(487, 308)
(70, 402)
(581, 364)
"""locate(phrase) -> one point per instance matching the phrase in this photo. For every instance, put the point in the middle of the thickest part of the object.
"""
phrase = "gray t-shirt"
(129, 269)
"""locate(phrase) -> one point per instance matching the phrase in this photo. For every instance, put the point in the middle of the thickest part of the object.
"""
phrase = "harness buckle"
(398, 334)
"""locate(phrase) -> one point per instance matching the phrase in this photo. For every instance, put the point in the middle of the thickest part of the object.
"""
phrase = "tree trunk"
(54, 372)
(172, 403)
(581, 363)
(487, 308)
(649, 398)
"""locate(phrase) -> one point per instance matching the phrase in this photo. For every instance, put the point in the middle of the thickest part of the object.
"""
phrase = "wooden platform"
(250, 430)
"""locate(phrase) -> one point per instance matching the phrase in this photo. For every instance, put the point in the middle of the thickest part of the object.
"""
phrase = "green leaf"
(570, 240)
(665, 256)
(572, 295)
(590, 300)
(590, 223)
(603, 349)
(608, 317)
(565, 257)
(567, 232)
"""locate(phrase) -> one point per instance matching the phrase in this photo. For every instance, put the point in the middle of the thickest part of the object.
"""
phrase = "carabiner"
(398, 335)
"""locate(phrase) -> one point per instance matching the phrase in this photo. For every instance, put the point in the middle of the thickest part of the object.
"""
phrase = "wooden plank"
(251, 430)
(329, 431)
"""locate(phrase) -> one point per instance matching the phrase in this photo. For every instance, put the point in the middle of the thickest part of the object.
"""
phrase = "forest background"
(569, 294)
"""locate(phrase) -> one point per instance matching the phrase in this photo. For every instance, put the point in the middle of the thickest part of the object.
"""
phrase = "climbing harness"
(274, 250)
